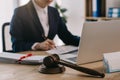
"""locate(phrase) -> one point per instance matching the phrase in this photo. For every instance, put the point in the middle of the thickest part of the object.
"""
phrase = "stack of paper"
(14, 57)
(63, 49)
(112, 61)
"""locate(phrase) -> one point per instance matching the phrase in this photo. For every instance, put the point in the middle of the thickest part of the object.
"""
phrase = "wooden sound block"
(52, 70)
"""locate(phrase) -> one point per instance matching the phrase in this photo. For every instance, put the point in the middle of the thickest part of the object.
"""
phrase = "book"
(114, 15)
(17, 58)
(111, 61)
(96, 8)
(114, 12)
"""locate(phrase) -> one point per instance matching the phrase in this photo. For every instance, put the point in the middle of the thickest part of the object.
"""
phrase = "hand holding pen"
(46, 45)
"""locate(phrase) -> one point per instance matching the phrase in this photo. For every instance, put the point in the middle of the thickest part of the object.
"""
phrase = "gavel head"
(51, 61)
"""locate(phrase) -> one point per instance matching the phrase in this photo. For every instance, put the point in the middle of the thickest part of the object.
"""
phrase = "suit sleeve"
(16, 31)
(65, 35)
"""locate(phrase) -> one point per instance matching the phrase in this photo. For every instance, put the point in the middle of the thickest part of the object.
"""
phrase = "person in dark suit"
(34, 26)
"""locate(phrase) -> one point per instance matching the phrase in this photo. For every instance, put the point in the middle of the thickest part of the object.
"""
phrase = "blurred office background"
(74, 13)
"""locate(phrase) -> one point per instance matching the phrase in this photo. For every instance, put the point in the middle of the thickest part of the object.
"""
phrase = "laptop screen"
(97, 38)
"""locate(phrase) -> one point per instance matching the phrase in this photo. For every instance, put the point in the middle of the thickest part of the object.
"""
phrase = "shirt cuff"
(33, 46)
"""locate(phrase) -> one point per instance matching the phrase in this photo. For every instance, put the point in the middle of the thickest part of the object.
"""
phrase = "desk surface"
(30, 72)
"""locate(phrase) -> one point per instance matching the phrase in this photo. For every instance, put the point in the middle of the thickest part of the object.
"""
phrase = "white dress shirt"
(43, 18)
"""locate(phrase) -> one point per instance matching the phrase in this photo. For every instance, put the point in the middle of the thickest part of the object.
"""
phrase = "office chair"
(6, 38)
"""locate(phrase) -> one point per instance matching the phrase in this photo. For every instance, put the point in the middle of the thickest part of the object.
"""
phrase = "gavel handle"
(82, 69)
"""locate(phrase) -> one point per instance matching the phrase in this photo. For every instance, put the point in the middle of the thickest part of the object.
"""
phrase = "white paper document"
(112, 61)
(62, 49)
(14, 57)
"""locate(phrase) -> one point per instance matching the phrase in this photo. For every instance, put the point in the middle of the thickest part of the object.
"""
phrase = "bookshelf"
(102, 7)
(99, 6)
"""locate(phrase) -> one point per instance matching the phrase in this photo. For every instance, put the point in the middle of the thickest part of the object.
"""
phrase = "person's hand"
(46, 45)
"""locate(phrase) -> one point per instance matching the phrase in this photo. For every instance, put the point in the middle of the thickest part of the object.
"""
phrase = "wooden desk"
(30, 72)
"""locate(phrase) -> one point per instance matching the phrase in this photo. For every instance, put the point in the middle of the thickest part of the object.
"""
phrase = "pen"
(45, 38)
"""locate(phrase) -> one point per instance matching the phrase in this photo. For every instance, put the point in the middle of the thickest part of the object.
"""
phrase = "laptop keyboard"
(72, 59)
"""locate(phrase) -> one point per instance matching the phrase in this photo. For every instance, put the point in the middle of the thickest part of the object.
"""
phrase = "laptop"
(97, 38)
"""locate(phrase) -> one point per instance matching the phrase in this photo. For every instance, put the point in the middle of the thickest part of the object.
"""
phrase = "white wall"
(6, 12)
(23, 2)
(75, 14)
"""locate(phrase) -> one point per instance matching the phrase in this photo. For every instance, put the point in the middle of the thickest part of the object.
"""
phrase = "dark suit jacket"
(26, 28)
